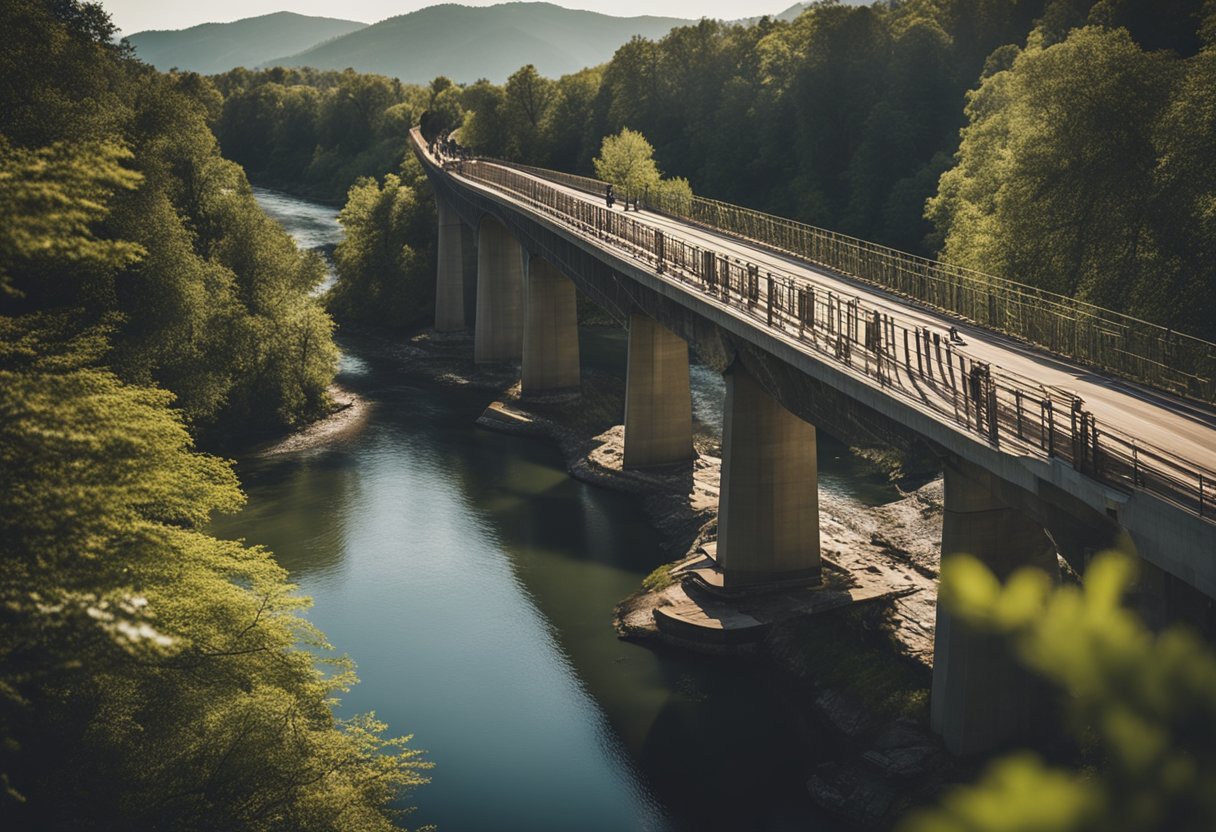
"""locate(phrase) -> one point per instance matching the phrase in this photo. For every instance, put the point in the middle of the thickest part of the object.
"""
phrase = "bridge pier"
(658, 396)
(981, 696)
(768, 516)
(499, 332)
(550, 346)
(449, 281)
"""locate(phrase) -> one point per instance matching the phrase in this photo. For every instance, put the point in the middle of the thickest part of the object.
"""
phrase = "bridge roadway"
(1185, 429)
(1011, 471)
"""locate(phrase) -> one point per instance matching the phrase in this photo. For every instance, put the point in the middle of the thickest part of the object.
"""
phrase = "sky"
(137, 15)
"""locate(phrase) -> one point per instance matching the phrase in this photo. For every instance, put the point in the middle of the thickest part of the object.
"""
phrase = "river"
(472, 581)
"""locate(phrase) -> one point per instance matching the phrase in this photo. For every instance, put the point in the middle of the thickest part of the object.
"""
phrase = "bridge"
(1061, 427)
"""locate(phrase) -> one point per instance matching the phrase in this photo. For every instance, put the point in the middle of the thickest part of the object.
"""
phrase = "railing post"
(907, 352)
(1049, 427)
(994, 419)
(769, 297)
(658, 251)
(1017, 399)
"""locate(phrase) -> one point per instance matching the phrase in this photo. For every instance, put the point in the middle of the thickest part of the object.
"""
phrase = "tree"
(1055, 175)
(1148, 700)
(529, 98)
(151, 675)
(51, 199)
(627, 161)
(386, 261)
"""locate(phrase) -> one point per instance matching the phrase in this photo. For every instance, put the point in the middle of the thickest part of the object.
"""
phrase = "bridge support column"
(550, 360)
(449, 282)
(499, 333)
(658, 396)
(981, 697)
(768, 514)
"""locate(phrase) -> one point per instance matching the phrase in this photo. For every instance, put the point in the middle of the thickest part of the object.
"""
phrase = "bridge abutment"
(981, 695)
(550, 345)
(499, 332)
(658, 396)
(449, 280)
(768, 516)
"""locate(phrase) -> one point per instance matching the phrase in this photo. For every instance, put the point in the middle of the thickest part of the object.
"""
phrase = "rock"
(904, 733)
(905, 762)
(850, 790)
(844, 714)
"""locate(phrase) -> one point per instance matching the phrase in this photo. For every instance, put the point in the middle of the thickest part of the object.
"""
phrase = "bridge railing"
(1001, 407)
(1103, 338)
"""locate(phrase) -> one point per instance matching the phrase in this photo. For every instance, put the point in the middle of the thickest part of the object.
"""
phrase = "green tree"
(529, 98)
(1148, 701)
(386, 260)
(627, 161)
(1054, 179)
(150, 675)
(51, 199)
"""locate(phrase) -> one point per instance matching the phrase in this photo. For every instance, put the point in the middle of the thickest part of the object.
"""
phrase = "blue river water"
(473, 581)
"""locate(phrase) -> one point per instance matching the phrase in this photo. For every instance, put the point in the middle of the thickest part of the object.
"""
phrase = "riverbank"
(863, 672)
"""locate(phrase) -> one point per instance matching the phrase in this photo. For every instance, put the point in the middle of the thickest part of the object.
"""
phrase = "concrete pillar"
(981, 696)
(550, 359)
(768, 514)
(499, 334)
(469, 262)
(658, 396)
(449, 282)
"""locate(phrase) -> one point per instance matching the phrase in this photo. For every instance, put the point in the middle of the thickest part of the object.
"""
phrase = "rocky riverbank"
(862, 671)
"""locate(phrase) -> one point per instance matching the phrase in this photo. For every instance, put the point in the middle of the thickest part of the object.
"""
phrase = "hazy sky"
(137, 15)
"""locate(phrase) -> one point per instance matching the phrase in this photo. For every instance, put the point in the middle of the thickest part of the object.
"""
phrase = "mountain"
(218, 47)
(466, 43)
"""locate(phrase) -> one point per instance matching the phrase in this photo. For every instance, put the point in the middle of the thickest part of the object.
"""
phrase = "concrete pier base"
(658, 396)
(499, 333)
(550, 348)
(981, 696)
(449, 281)
(768, 516)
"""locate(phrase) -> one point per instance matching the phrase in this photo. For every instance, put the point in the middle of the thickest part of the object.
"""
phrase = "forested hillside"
(467, 43)
(1061, 143)
(218, 47)
(151, 676)
(1085, 165)
(315, 132)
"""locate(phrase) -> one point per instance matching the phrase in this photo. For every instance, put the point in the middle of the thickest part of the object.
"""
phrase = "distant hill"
(218, 47)
(466, 43)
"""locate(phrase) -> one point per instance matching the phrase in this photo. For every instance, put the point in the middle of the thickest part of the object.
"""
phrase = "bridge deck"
(1126, 414)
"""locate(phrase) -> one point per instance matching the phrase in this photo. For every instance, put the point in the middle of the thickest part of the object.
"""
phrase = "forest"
(1060, 143)
(153, 676)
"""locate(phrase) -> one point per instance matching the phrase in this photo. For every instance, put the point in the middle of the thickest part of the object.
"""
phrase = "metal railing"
(1111, 341)
(999, 406)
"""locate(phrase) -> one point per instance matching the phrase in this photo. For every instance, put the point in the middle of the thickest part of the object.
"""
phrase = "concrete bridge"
(1041, 455)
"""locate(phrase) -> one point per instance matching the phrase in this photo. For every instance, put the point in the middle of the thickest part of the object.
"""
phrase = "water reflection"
(473, 582)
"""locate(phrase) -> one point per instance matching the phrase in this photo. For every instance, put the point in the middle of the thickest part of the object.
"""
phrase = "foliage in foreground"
(151, 675)
(1146, 701)
(217, 307)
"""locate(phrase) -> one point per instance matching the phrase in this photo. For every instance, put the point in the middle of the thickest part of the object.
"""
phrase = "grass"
(659, 579)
